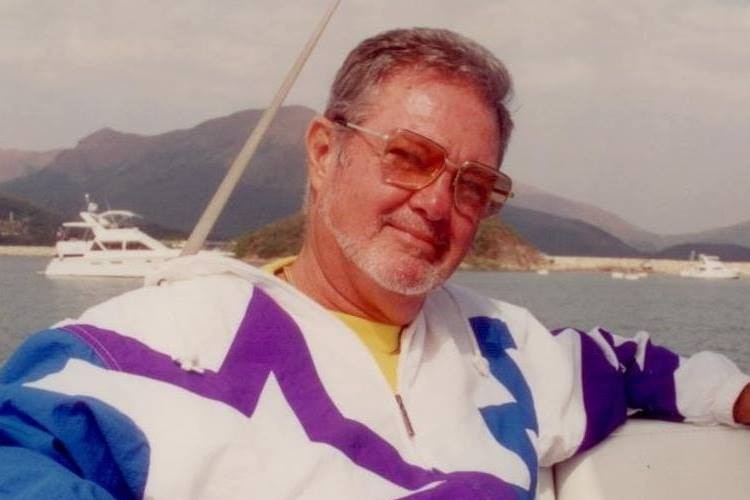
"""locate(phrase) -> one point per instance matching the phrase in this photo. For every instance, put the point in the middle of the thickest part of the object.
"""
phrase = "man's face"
(408, 242)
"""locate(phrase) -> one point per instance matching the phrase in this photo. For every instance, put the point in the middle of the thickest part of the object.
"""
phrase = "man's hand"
(742, 407)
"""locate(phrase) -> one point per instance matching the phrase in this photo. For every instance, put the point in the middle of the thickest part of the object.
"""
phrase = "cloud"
(609, 93)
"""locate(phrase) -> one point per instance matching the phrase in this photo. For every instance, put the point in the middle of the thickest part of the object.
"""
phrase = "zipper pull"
(404, 416)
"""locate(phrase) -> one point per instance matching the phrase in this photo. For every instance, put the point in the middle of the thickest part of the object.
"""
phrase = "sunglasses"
(412, 161)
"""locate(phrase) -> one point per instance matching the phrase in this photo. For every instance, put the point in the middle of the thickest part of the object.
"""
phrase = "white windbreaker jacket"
(224, 382)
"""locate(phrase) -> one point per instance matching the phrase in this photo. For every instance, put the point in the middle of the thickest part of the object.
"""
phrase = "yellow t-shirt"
(382, 340)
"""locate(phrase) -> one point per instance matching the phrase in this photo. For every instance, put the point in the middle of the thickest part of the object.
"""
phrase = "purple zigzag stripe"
(268, 340)
(603, 393)
(608, 392)
(651, 389)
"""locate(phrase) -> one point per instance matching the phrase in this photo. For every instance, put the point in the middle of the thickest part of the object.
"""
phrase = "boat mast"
(216, 205)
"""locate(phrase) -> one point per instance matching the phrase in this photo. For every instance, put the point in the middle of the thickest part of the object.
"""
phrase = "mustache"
(435, 233)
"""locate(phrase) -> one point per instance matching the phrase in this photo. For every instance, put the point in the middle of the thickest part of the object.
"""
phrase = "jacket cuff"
(726, 397)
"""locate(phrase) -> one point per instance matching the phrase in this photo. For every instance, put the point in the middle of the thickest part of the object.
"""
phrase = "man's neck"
(345, 288)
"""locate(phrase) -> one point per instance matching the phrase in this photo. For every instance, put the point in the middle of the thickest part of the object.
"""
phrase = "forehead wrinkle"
(425, 108)
(457, 150)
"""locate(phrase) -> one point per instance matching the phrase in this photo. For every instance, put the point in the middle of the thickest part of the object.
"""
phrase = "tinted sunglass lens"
(473, 190)
(500, 194)
(410, 160)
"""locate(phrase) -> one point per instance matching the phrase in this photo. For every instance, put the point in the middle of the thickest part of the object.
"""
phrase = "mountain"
(536, 199)
(726, 252)
(16, 163)
(496, 246)
(169, 178)
(555, 235)
(533, 198)
(736, 234)
(277, 239)
(21, 223)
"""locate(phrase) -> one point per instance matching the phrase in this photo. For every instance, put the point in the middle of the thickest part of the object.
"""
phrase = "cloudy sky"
(641, 107)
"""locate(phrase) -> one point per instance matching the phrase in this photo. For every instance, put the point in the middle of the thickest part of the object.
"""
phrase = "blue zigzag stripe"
(508, 422)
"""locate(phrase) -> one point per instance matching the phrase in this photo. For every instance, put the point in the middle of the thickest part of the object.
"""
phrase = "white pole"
(219, 200)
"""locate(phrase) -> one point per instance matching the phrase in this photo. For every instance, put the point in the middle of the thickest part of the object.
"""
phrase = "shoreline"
(566, 263)
(624, 264)
(555, 263)
(26, 251)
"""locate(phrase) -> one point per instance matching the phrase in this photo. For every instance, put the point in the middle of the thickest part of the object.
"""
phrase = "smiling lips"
(423, 233)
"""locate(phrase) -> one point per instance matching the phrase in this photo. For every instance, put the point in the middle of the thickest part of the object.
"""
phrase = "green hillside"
(555, 235)
(278, 239)
(22, 223)
(496, 246)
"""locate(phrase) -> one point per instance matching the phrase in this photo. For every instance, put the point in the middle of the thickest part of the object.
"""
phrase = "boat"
(107, 244)
(710, 267)
(649, 460)
(628, 275)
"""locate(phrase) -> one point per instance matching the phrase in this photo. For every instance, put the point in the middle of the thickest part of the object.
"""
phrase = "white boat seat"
(650, 460)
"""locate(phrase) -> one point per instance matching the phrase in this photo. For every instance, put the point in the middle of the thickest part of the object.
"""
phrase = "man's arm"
(25, 474)
(742, 407)
(616, 376)
(585, 384)
(54, 445)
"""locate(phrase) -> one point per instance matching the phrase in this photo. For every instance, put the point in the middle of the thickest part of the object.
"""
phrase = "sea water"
(687, 315)
(30, 301)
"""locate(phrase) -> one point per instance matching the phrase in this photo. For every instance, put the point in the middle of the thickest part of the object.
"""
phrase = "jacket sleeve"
(61, 446)
(608, 378)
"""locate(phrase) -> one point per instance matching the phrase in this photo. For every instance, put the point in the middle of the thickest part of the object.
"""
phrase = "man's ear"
(321, 157)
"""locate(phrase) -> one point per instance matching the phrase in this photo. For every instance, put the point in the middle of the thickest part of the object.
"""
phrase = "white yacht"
(106, 244)
(628, 275)
(710, 267)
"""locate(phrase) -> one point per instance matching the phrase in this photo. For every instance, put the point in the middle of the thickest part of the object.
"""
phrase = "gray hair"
(377, 58)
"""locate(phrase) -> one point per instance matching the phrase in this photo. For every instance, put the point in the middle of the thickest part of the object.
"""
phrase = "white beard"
(410, 276)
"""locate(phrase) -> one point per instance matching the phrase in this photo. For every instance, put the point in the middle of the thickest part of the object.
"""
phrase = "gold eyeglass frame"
(491, 209)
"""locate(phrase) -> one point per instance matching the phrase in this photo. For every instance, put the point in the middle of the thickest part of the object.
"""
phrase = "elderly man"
(352, 370)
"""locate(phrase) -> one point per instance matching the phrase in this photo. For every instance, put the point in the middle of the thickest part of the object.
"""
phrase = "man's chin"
(397, 266)
(407, 275)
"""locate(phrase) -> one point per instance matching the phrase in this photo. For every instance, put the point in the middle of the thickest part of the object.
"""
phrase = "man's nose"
(435, 201)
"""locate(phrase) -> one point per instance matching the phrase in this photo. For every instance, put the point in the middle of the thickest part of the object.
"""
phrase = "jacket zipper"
(405, 416)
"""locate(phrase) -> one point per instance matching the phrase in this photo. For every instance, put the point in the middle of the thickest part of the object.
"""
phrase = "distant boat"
(106, 244)
(630, 276)
(710, 267)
